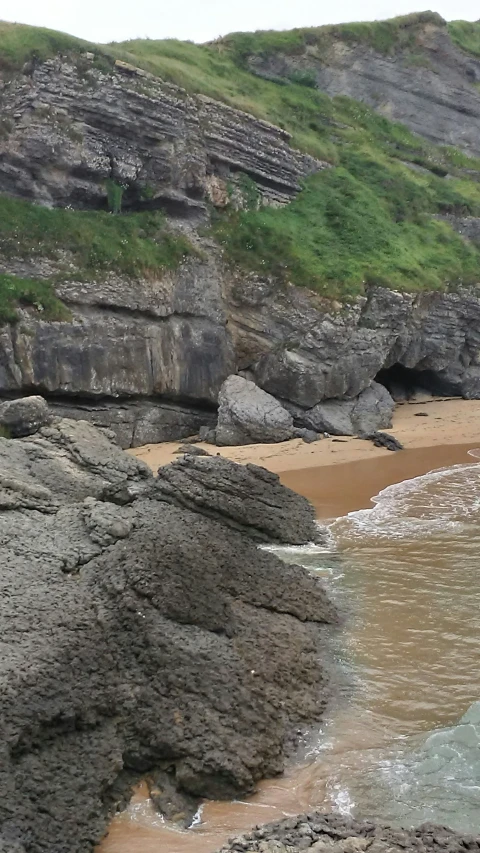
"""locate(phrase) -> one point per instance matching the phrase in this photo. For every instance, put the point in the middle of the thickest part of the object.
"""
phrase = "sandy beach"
(342, 474)
(417, 425)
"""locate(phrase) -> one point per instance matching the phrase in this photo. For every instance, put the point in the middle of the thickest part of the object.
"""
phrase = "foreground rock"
(246, 498)
(330, 833)
(137, 637)
(248, 415)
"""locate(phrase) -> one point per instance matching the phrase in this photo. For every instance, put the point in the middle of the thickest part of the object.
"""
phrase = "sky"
(203, 20)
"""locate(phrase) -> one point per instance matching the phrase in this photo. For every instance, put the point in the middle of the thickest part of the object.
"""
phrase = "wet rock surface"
(136, 636)
(330, 833)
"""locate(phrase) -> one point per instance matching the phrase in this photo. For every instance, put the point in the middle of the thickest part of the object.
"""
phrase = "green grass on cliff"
(20, 43)
(386, 37)
(466, 35)
(342, 233)
(95, 241)
(367, 219)
(28, 292)
(84, 245)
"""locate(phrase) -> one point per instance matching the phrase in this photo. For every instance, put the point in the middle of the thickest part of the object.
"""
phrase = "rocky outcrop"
(70, 127)
(137, 635)
(247, 415)
(303, 349)
(246, 498)
(370, 411)
(332, 833)
(425, 82)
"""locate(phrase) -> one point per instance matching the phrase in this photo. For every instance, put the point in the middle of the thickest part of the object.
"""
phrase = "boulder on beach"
(370, 411)
(248, 415)
(143, 631)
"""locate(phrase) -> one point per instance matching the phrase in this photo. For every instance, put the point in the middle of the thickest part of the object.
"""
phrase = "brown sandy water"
(406, 570)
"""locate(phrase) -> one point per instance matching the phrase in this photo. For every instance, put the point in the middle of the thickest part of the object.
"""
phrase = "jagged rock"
(334, 833)
(372, 409)
(382, 439)
(138, 635)
(247, 415)
(24, 416)
(245, 497)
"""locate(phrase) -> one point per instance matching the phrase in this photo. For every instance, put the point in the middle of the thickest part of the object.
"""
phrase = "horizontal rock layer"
(69, 127)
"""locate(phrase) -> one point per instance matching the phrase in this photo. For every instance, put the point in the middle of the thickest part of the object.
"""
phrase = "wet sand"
(422, 425)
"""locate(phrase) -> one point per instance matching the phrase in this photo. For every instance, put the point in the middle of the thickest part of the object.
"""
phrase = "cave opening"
(406, 383)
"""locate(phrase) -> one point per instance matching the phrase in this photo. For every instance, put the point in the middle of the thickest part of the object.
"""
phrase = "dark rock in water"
(248, 415)
(382, 439)
(333, 833)
(139, 636)
(244, 497)
(24, 416)
(175, 806)
(192, 450)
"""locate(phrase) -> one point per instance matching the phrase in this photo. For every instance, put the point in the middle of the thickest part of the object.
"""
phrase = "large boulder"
(24, 416)
(243, 497)
(248, 415)
(138, 635)
(370, 411)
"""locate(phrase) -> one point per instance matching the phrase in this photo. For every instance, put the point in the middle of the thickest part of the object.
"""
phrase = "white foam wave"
(442, 501)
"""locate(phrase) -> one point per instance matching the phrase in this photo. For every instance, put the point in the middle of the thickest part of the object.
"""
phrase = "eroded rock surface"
(247, 498)
(136, 635)
(320, 833)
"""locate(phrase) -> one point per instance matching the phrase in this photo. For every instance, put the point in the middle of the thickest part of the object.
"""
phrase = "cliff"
(156, 238)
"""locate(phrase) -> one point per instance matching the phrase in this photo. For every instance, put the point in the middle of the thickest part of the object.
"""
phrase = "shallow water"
(407, 572)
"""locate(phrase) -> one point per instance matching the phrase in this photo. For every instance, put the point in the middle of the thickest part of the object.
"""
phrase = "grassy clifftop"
(370, 218)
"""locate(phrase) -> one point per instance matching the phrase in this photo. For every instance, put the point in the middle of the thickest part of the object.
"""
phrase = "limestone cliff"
(147, 354)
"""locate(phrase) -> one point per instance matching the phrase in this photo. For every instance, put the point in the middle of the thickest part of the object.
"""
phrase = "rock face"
(429, 85)
(79, 126)
(137, 635)
(247, 415)
(300, 349)
(246, 498)
(331, 833)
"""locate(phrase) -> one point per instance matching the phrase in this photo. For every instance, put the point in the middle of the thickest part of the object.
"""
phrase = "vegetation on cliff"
(370, 218)
(83, 245)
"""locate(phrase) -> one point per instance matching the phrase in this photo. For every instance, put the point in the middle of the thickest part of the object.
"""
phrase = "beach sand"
(420, 424)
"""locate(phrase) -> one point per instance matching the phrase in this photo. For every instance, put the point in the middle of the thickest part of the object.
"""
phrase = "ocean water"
(402, 741)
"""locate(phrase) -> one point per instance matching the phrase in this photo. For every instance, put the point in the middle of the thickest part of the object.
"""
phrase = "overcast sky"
(201, 20)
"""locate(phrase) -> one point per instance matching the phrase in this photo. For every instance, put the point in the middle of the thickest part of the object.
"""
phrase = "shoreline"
(426, 424)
